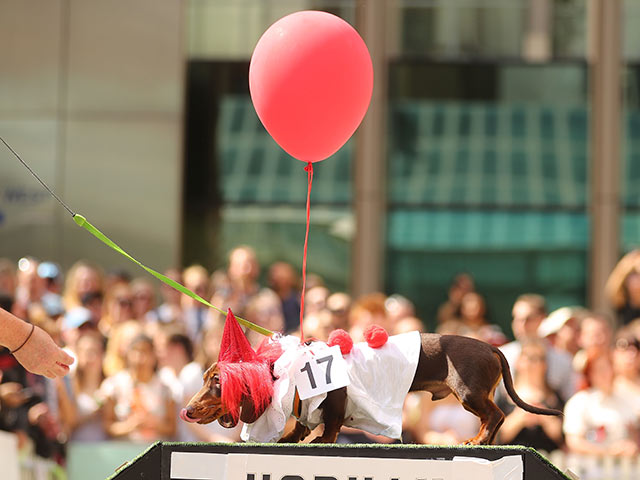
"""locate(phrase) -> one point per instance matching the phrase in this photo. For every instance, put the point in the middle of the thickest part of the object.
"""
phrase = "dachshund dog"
(448, 364)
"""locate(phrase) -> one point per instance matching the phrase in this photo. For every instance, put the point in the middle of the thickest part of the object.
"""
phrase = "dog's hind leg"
(491, 417)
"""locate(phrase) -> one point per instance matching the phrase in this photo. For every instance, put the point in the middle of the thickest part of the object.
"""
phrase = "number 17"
(307, 368)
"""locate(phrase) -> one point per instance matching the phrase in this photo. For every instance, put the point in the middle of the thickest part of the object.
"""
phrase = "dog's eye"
(216, 380)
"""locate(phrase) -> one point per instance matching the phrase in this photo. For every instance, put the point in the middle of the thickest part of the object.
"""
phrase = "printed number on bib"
(320, 373)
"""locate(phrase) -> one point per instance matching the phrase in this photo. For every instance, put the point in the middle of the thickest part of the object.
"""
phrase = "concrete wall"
(91, 95)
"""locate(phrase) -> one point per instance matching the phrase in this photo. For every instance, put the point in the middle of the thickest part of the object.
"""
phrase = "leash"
(84, 223)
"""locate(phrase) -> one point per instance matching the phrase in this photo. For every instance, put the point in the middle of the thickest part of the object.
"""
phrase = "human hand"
(41, 355)
(623, 448)
(12, 394)
(150, 422)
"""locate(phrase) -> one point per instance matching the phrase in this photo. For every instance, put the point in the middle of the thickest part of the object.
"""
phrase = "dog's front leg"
(298, 433)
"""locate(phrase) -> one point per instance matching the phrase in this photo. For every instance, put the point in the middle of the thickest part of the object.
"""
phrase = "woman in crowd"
(473, 314)
(139, 406)
(86, 380)
(118, 309)
(264, 309)
(523, 428)
(623, 287)
(242, 281)
(143, 300)
(598, 421)
(626, 364)
(82, 279)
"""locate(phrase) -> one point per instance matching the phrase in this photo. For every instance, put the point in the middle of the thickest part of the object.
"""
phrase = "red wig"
(244, 372)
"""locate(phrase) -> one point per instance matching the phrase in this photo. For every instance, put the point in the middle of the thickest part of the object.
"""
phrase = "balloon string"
(309, 170)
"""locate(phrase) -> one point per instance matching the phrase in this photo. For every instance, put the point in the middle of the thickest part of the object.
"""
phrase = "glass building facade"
(487, 151)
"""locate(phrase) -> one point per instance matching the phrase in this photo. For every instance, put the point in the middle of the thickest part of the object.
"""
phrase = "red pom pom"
(376, 336)
(342, 338)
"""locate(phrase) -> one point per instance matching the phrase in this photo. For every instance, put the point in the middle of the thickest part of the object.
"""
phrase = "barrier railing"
(588, 467)
(36, 468)
(112, 454)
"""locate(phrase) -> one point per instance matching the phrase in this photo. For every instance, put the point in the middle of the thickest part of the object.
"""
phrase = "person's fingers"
(64, 358)
(60, 370)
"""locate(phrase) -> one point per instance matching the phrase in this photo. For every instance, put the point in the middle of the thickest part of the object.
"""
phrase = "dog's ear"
(249, 412)
(227, 421)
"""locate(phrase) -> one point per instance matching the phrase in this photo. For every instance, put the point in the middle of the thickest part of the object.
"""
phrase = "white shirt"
(380, 380)
(598, 417)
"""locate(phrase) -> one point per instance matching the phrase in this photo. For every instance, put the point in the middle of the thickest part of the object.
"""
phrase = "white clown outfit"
(380, 380)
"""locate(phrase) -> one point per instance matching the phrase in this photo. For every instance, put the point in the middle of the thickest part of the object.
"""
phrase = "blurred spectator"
(528, 312)
(115, 277)
(315, 299)
(473, 310)
(170, 310)
(92, 301)
(596, 334)
(398, 307)
(177, 369)
(7, 277)
(29, 290)
(51, 297)
(139, 406)
(598, 421)
(448, 423)
(144, 300)
(623, 287)
(626, 365)
(264, 309)
(117, 344)
(118, 309)
(74, 323)
(242, 277)
(209, 348)
(339, 305)
(521, 427)
(450, 310)
(86, 380)
(82, 278)
(284, 281)
(408, 324)
(366, 311)
(314, 280)
(194, 313)
(595, 338)
(317, 326)
(562, 328)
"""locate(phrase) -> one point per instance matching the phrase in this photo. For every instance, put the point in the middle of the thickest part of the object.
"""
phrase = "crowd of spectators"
(140, 356)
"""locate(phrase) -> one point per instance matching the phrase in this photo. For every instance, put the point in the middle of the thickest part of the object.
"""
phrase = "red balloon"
(311, 80)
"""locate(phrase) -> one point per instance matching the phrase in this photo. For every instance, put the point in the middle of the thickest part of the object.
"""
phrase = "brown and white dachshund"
(448, 364)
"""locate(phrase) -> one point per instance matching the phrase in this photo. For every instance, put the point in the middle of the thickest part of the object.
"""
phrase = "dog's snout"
(185, 414)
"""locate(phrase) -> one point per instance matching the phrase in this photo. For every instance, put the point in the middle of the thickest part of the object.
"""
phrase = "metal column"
(370, 171)
(606, 110)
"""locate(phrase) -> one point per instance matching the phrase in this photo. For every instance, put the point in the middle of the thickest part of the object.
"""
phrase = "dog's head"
(209, 404)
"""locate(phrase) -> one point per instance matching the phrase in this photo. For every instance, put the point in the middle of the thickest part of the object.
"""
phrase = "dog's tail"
(508, 383)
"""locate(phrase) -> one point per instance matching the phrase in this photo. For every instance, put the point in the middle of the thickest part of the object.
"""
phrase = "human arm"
(620, 448)
(162, 426)
(614, 288)
(34, 348)
(66, 406)
(118, 428)
(519, 419)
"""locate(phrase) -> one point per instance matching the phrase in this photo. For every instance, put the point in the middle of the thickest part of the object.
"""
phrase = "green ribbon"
(84, 223)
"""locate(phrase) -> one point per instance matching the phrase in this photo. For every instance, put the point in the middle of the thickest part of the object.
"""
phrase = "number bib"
(319, 373)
